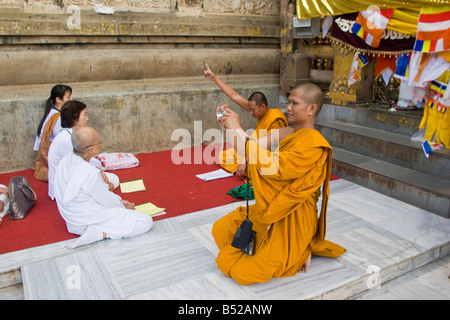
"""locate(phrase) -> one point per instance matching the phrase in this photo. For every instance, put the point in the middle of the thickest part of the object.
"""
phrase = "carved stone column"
(189, 7)
(340, 92)
(287, 12)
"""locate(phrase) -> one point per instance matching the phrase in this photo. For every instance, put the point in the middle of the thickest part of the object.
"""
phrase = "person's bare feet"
(305, 267)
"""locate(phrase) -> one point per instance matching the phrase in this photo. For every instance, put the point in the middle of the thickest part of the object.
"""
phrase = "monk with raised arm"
(257, 105)
(287, 179)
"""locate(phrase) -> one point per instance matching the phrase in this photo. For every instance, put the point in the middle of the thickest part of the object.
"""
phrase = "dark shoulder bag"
(22, 197)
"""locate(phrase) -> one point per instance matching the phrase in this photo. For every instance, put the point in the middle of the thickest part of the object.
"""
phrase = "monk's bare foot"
(305, 267)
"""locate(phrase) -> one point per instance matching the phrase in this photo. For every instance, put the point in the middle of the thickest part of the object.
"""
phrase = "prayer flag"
(426, 148)
(433, 29)
(391, 42)
(402, 68)
(370, 25)
(385, 66)
(359, 61)
(434, 96)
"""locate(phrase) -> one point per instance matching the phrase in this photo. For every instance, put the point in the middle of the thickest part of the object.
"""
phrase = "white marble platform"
(384, 238)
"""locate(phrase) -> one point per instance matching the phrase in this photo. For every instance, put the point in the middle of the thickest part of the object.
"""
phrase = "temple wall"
(139, 70)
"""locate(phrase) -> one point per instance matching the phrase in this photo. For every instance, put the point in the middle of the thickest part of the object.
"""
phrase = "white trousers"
(144, 223)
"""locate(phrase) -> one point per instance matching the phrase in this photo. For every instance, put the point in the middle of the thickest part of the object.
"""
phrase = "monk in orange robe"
(286, 190)
(257, 105)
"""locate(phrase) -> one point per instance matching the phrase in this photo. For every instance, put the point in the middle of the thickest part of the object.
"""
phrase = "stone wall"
(139, 70)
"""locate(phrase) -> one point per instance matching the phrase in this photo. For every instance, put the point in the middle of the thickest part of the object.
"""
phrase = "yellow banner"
(317, 8)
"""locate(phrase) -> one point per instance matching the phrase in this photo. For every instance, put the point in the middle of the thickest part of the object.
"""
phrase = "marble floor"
(384, 238)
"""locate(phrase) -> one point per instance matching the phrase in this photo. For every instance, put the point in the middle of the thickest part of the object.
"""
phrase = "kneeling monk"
(286, 184)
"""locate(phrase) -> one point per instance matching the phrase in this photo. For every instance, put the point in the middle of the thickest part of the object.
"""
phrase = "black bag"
(22, 197)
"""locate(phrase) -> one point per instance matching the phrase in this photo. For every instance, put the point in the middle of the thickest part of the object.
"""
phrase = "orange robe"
(284, 215)
(274, 119)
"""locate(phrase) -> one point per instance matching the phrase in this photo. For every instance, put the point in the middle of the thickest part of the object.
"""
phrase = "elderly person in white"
(73, 113)
(84, 200)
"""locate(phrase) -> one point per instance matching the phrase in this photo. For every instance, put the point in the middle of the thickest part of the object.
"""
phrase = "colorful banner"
(433, 29)
(359, 61)
(317, 8)
(402, 69)
(391, 43)
(370, 25)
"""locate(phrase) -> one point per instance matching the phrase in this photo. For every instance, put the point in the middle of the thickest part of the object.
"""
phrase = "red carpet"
(169, 186)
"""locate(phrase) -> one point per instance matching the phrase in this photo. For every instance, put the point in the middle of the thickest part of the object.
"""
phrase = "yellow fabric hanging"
(443, 135)
(435, 121)
(316, 8)
(405, 20)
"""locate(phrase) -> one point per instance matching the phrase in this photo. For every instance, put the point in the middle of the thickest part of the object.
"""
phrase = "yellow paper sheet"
(149, 208)
(132, 186)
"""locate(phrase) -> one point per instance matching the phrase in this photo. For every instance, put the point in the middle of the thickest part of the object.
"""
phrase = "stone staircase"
(385, 239)
(373, 148)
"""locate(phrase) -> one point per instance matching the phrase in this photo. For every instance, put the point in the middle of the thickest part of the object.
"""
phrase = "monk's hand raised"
(208, 73)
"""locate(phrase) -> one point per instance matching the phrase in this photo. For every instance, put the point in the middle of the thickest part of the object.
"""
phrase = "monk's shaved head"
(311, 94)
(83, 137)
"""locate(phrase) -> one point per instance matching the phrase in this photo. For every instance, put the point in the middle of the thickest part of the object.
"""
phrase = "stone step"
(419, 189)
(378, 117)
(386, 146)
(385, 238)
(375, 116)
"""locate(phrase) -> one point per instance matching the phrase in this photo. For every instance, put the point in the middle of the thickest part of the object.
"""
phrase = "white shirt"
(83, 199)
(56, 129)
(61, 146)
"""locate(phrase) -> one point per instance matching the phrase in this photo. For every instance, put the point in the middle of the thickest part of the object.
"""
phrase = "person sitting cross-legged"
(84, 199)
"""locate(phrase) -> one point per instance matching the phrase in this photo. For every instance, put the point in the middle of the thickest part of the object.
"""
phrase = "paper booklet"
(132, 186)
(214, 175)
(150, 209)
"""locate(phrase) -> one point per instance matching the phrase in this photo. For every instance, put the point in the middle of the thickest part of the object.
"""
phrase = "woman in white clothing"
(58, 96)
(73, 114)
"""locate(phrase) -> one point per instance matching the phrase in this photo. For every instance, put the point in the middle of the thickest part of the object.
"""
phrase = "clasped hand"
(230, 119)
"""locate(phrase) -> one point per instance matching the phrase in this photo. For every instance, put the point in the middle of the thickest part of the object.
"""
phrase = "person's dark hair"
(70, 113)
(58, 91)
(259, 98)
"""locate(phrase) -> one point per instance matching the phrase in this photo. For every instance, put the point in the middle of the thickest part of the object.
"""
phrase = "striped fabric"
(435, 94)
(359, 61)
(370, 25)
(433, 29)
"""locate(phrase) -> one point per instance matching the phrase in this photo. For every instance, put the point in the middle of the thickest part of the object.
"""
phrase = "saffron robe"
(284, 215)
(273, 119)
